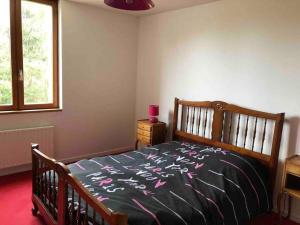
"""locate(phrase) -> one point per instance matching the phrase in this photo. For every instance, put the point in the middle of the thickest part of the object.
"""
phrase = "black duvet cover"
(178, 183)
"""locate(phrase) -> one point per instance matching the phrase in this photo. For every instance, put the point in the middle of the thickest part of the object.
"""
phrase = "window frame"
(17, 58)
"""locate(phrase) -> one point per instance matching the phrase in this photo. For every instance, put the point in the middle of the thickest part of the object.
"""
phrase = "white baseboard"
(27, 167)
(97, 154)
(15, 169)
(294, 216)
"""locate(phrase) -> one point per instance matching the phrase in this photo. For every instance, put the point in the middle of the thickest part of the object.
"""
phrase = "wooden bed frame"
(216, 124)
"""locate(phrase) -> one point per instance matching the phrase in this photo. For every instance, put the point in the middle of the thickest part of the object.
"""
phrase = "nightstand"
(150, 133)
(290, 185)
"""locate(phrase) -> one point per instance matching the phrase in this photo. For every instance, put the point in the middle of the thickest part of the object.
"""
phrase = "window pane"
(37, 53)
(5, 55)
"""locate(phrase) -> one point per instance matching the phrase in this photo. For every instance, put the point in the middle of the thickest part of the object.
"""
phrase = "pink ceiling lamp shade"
(134, 5)
(153, 113)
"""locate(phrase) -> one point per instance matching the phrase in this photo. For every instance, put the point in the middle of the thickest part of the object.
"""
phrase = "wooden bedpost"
(62, 171)
(121, 219)
(35, 166)
(275, 149)
(218, 118)
(175, 118)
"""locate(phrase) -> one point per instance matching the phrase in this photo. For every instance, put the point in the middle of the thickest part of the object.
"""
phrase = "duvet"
(178, 183)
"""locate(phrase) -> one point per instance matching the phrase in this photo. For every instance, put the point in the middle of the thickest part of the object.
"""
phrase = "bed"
(219, 168)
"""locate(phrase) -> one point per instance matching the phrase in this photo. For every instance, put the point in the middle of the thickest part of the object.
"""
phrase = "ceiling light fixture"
(134, 5)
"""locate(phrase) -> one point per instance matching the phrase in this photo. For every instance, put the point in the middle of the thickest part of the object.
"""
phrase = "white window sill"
(31, 111)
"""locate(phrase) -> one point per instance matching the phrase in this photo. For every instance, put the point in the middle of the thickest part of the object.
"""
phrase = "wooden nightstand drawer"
(145, 127)
(143, 132)
(290, 184)
(293, 169)
(150, 133)
(144, 139)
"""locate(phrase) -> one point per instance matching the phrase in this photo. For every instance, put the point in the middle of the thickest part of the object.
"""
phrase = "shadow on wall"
(169, 126)
(293, 124)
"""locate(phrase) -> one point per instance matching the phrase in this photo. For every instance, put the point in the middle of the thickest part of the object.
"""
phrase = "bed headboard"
(249, 132)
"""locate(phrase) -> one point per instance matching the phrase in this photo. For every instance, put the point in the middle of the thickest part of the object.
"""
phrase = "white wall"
(99, 79)
(245, 52)
(241, 51)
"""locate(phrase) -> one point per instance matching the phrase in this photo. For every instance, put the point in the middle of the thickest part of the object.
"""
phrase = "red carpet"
(15, 203)
(15, 200)
(272, 220)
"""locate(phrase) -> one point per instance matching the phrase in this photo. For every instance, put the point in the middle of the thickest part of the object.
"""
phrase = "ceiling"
(160, 5)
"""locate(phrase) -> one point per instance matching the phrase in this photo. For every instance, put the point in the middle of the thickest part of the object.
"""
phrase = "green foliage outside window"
(5, 68)
(37, 63)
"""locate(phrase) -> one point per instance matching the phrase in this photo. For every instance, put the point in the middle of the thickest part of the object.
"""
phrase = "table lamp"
(153, 113)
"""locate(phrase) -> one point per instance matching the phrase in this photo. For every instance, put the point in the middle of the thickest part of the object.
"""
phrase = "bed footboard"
(44, 186)
(62, 200)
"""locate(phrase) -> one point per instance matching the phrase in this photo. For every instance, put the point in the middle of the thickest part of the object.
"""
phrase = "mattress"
(178, 183)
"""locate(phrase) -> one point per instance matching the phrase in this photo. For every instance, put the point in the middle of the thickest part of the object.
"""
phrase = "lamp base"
(153, 119)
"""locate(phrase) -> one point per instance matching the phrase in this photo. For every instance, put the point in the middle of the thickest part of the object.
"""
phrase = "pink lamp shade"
(153, 112)
(130, 4)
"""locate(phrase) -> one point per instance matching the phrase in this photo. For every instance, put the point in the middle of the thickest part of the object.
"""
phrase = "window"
(28, 54)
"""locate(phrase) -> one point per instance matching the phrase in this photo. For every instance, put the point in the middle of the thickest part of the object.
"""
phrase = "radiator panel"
(15, 145)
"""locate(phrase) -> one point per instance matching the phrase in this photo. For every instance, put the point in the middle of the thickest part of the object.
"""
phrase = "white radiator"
(15, 145)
